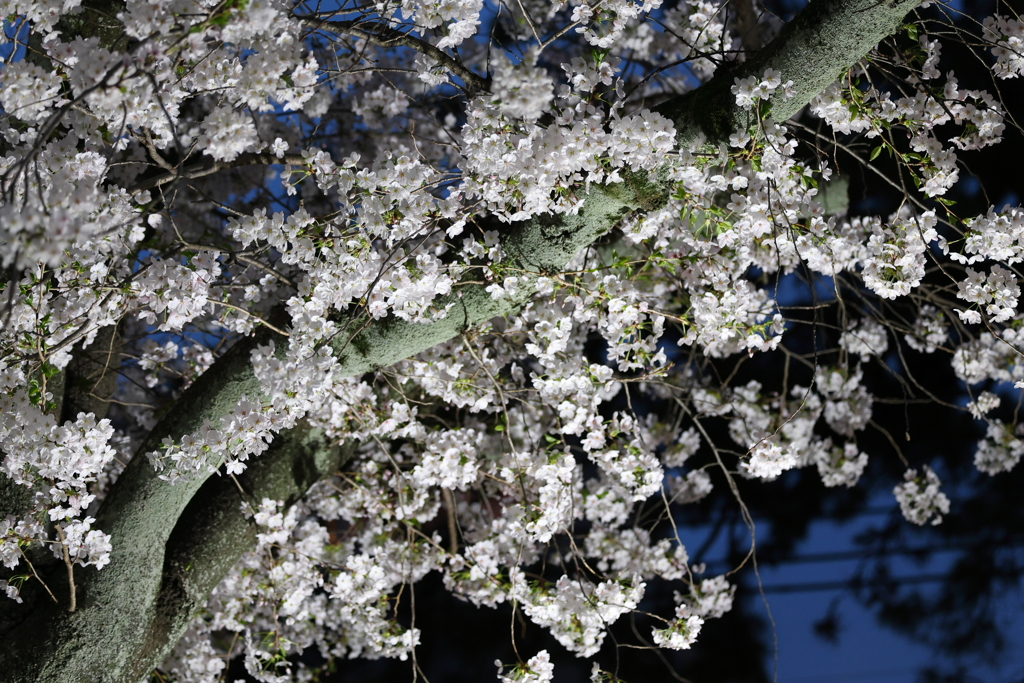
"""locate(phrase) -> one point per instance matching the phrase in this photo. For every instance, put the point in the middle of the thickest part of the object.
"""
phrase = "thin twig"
(205, 168)
(36, 574)
(70, 566)
(385, 36)
(251, 315)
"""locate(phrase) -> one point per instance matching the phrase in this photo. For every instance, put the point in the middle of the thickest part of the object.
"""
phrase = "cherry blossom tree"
(305, 301)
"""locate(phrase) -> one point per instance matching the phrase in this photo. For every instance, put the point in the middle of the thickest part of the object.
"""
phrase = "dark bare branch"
(383, 35)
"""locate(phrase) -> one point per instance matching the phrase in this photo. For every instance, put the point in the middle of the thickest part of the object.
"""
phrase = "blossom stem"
(70, 566)
(36, 574)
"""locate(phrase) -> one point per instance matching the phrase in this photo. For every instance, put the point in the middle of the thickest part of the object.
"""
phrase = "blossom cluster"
(1007, 36)
(751, 89)
(920, 499)
(57, 463)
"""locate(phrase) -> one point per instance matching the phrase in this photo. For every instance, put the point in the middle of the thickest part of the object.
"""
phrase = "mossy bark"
(813, 50)
(213, 533)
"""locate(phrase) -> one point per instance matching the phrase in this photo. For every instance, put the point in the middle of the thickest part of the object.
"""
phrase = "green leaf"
(875, 152)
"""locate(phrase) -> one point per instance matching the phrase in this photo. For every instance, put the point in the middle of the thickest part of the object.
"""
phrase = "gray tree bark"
(172, 544)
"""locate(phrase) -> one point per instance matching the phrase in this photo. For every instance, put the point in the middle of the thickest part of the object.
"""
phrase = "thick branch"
(118, 605)
(208, 539)
(212, 533)
(813, 50)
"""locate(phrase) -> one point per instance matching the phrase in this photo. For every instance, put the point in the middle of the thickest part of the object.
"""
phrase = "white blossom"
(920, 499)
